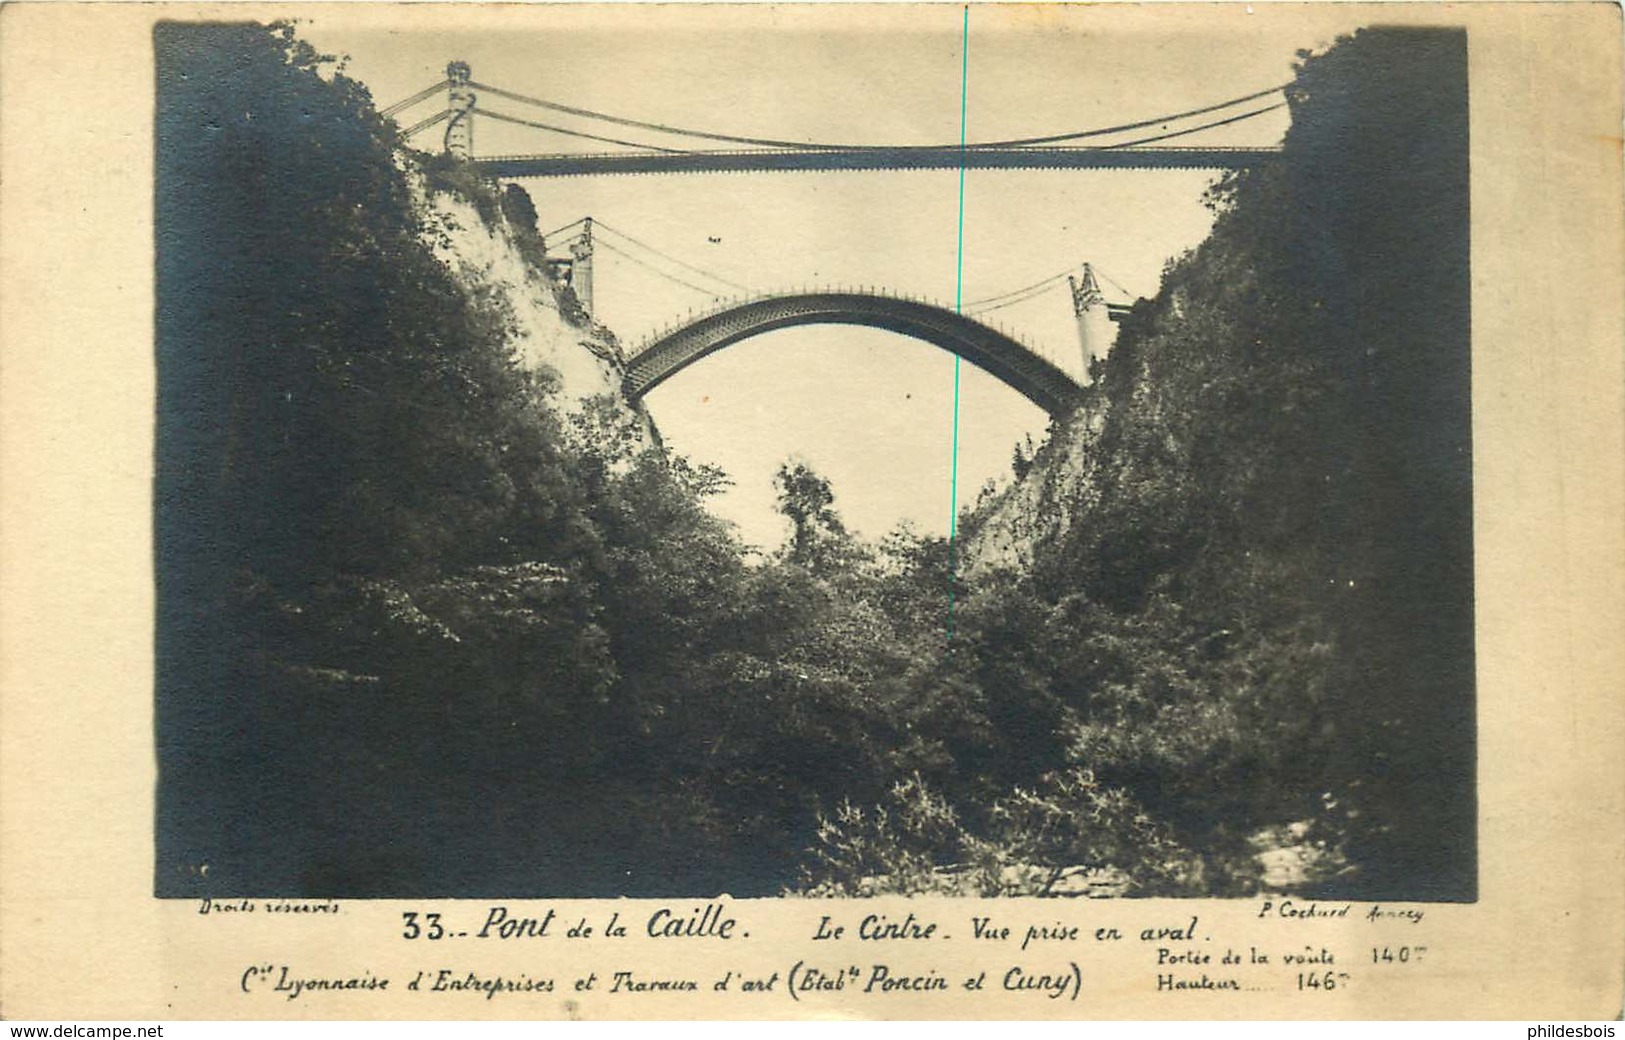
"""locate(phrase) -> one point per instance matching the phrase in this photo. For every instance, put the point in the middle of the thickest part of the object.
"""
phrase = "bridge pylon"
(460, 99)
(1096, 334)
(581, 266)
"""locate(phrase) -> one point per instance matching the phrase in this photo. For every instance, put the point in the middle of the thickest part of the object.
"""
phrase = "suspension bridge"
(1138, 144)
(1048, 377)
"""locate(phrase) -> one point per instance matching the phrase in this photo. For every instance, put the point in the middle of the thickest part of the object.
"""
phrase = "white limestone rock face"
(485, 255)
(1039, 507)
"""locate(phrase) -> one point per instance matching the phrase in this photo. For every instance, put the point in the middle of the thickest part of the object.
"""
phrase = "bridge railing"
(1057, 357)
(725, 304)
(1239, 151)
(1026, 368)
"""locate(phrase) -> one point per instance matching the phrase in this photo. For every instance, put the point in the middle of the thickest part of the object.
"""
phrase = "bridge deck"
(766, 160)
(996, 353)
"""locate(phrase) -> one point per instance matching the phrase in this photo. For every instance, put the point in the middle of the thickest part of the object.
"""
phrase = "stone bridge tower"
(581, 266)
(1095, 330)
(460, 103)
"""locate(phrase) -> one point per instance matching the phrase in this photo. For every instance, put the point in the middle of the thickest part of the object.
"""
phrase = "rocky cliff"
(1042, 504)
(497, 259)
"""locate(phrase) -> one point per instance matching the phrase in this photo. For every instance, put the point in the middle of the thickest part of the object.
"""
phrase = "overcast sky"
(869, 409)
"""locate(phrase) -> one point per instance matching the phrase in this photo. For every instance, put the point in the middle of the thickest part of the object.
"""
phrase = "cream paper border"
(82, 937)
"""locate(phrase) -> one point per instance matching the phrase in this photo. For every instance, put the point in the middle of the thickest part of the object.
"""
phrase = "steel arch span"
(1002, 357)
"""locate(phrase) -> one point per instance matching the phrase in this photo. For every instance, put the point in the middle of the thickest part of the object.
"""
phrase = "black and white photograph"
(804, 452)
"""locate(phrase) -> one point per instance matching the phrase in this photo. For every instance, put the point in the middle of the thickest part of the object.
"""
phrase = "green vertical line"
(959, 289)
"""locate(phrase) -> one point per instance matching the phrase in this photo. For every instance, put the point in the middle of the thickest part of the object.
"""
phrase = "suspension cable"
(1022, 295)
(566, 227)
(1016, 292)
(576, 133)
(672, 259)
(774, 143)
(989, 308)
(659, 127)
(1103, 131)
(406, 103)
(1044, 288)
(671, 277)
(425, 124)
(1196, 129)
(1115, 282)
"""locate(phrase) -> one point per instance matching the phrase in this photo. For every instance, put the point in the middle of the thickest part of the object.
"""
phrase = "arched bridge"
(999, 355)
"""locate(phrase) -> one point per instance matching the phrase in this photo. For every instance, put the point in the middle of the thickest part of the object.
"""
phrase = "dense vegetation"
(422, 630)
(1261, 608)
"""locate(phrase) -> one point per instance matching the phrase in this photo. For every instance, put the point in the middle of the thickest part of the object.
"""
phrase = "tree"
(1021, 458)
(807, 499)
